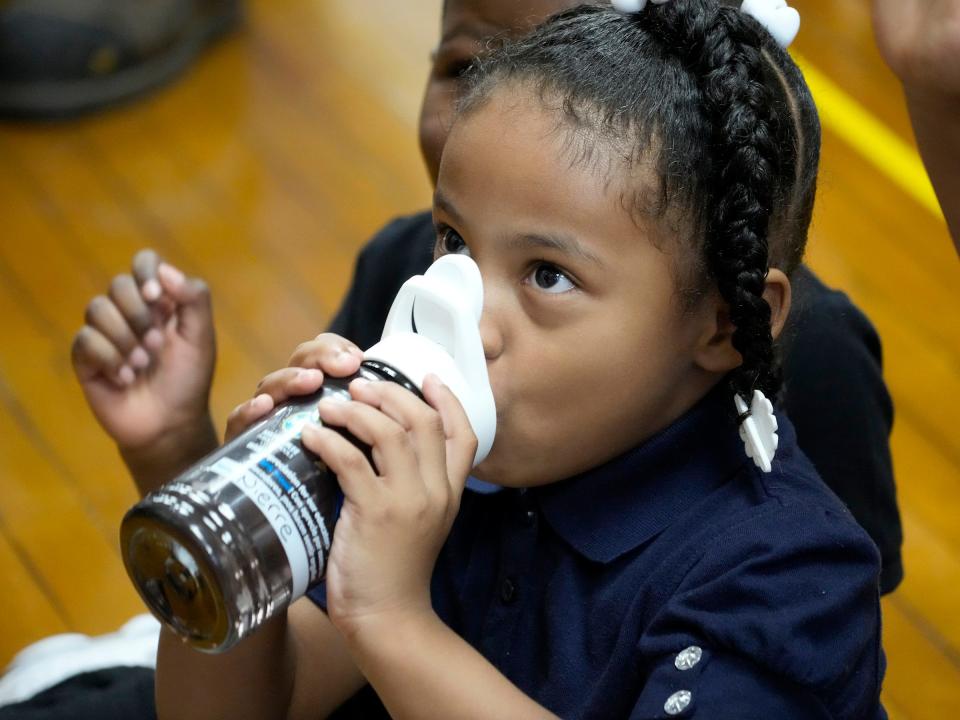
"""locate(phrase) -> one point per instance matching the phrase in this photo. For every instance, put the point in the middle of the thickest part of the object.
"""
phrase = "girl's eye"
(550, 279)
(456, 69)
(450, 242)
(451, 63)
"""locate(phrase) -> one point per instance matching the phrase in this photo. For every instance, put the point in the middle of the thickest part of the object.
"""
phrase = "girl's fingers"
(245, 414)
(272, 390)
(102, 314)
(461, 442)
(418, 420)
(94, 356)
(290, 382)
(393, 454)
(331, 353)
(357, 479)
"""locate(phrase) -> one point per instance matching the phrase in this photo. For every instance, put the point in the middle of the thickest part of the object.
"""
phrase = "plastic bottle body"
(243, 533)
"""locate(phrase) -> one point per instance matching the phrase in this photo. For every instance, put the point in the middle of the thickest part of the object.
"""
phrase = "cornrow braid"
(722, 47)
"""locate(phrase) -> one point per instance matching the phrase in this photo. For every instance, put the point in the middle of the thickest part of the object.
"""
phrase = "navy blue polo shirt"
(675, 581)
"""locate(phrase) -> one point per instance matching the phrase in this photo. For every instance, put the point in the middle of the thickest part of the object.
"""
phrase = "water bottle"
(246, 531)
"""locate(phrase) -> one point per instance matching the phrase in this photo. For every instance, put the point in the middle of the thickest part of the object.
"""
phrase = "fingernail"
(151, 290)
(139, 358)
(309, 374)
(171, 274)
(325, 406)
(153, 339)
(310, 428)
(126, 375)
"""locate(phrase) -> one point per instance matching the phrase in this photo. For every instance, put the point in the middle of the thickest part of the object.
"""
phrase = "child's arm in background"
(920, 40)
(145, 359)
(295, 667)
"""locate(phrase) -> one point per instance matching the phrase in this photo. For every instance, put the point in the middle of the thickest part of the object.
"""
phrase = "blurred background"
(266, 168)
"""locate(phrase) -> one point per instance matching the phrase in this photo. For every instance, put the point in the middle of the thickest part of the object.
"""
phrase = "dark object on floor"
(62, 58)
(121, 693)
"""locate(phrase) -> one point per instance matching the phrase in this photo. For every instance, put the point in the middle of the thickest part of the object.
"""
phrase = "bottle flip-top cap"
(434, 327)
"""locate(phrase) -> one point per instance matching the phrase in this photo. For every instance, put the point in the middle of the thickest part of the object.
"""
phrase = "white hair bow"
(780, 20)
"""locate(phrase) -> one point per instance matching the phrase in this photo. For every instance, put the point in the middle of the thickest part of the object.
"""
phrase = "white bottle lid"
(434, 327)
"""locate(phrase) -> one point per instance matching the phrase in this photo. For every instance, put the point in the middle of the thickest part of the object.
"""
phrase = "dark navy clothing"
(835, 394)
(583, 592)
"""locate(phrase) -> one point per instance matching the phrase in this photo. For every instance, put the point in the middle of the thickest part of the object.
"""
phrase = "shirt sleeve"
(784, 604)
(698, 683)
(318, 594)
(838, 402)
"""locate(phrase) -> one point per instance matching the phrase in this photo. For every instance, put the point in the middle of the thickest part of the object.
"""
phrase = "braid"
(721, 47)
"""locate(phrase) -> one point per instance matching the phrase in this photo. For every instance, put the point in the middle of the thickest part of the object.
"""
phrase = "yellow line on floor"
(855, 125)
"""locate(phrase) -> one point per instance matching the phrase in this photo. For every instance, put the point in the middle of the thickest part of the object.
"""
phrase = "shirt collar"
(612, 509)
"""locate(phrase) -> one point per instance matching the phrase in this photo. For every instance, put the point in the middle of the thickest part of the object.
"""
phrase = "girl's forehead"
(483, 18)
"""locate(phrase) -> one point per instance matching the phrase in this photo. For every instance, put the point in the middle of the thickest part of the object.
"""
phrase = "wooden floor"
(266, 169)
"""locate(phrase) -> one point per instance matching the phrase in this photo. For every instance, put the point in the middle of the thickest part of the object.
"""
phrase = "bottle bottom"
(182, 590)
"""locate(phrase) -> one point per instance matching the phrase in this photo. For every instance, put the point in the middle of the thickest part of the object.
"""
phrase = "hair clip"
(779, 19)
(633, 6)
(758, 430)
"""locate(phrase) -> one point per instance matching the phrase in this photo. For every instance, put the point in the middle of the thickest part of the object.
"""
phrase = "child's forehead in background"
(481, 19)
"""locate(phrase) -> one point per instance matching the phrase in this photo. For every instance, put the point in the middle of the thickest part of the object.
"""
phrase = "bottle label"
(271, 468)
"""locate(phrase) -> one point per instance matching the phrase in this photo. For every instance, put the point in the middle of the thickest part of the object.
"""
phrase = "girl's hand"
(327, 353)
(145, 355)
(920, 40)
(398, 511)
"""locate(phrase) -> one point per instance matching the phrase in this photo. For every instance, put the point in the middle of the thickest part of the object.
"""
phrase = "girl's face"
(467, 26)
(588, 347)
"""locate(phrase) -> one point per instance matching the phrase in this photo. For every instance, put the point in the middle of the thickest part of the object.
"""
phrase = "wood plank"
(26, 611)
(58, 531)
(920, 682)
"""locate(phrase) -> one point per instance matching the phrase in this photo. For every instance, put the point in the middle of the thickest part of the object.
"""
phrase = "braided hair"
(701, 93)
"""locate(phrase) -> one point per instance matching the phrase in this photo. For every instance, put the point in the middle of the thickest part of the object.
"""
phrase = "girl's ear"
(715, 352)
(778, 295)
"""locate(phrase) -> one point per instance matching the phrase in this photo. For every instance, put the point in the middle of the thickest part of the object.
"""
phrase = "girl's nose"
(490, 334)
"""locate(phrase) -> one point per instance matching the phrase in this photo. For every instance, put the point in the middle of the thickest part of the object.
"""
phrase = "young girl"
(635, 190)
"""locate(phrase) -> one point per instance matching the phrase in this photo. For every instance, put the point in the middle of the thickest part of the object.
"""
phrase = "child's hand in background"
(920, 40)
(145, 359)
(398, 511)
